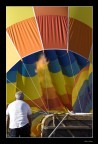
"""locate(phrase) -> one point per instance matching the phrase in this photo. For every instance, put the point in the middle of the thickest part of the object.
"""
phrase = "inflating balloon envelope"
(49, 58)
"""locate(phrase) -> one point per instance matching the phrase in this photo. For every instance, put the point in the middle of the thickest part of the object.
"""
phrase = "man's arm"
(7, 123)
(29, 115)
(30, 120)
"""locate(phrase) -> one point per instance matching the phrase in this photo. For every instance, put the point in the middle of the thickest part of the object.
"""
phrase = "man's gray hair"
(19, 95)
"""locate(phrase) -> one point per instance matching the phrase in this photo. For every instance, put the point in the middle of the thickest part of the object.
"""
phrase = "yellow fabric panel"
(37, 120)
(10, 92)
(69, 83)
(19, 82)
(69, 89)
(30, 86)
(91, 58)
(35, 129)
(84, 76)
(90, 68)
(82, 13)
(16, 14)
(12, 56)
(58, 82)
(78, 85)
(69, 80)
(44, 75)
(34, 109)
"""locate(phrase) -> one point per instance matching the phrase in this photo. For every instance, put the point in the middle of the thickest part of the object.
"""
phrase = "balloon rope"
(27, 97)
(44, 56)
(74, 82)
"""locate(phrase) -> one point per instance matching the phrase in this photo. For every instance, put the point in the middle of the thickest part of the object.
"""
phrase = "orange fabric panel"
(53, 104)
(25, 37)
(53, 30)
(51, 10)
(35, 131)
(37, 102)
(66, 100)
(80, 37)
(55, 100)
(51, 101)
(49, 93)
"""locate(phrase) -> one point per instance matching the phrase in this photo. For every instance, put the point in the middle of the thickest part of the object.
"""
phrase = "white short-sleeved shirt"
(18, 111)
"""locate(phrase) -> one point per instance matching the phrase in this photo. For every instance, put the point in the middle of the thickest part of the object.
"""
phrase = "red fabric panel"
(80, 38)
(51, 10)
(53, 30)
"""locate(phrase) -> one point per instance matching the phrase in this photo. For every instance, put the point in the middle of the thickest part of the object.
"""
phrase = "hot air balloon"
(49, 58)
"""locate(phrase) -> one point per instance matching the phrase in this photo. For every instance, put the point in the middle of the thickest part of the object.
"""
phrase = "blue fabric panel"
(54, 66)
(84, 99)
(71, 70)
(81, 61)
(66, 59)
(30, 59)
(27, 70)
(60, 53)
(51, 55)
(11, 76)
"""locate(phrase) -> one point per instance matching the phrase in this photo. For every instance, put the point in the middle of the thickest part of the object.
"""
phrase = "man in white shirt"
(19, 117)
